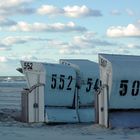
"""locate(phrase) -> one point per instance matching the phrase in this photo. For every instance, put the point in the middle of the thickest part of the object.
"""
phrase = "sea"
(10, 91)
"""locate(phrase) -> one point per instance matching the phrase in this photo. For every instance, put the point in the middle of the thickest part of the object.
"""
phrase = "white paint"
(118, 73)
(87, 72)
(36, 96)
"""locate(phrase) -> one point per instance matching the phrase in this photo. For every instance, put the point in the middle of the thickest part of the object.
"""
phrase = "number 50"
(124, 88)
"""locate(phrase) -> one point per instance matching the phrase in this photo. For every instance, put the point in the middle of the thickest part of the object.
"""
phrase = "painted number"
(61, 82)
(70, 80)
(135, 88)
(103, 62)
(53, 85)
(61, 85)
(124, 87)
(28, 66)
(89, 84)
(98, 84)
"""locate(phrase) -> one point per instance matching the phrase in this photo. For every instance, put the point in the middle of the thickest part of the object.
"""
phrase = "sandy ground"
(12, 129)
(16, 131)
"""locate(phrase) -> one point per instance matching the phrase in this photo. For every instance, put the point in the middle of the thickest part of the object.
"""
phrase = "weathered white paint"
(120, 74)
(68, 91)
(34, 76)
(87, 72)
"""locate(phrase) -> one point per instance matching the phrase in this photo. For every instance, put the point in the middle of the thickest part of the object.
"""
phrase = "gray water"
(10, 92)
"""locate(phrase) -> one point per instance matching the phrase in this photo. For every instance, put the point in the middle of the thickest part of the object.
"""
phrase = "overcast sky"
(47, 30)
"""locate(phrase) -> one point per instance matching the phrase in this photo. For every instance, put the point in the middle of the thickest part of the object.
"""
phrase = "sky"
(49, 30)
